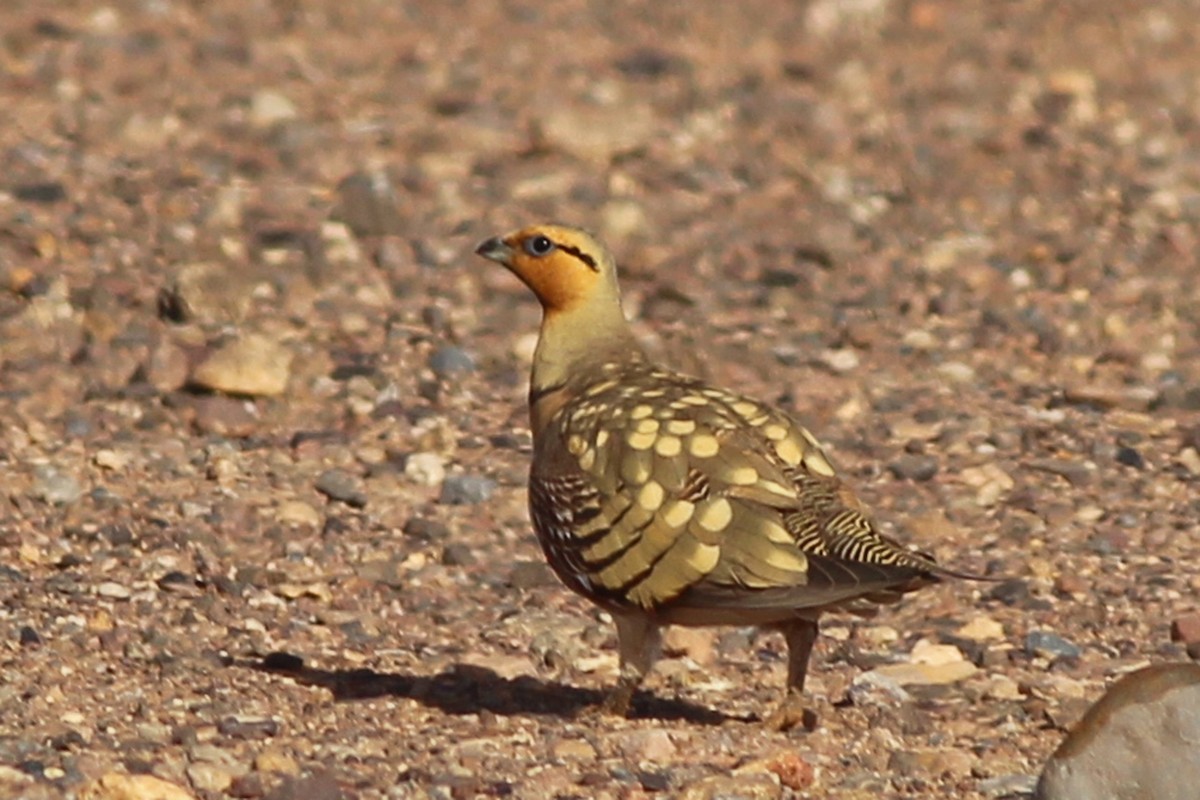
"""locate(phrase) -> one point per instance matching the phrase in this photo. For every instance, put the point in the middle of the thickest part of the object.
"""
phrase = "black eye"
(538, 246)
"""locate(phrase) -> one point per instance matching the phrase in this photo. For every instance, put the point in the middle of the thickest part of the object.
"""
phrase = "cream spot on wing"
(713, 515)
(650, 496)
(681, 427)
(788, 560)
(588, 459)
(817, 463)
(745, 408)
(678, 513)
(704, 557)
(576, 445)
(703, 445)
(640, 441)
(668, 446)
(646, 426)
(790, 452)
(653, 393)
(641, 411)
(603, 386)
(775, 488)
(775, 432)
(601, 438)
(742, 476)
(694, 400)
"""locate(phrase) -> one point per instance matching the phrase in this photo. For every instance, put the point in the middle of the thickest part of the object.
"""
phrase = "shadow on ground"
(469, 689)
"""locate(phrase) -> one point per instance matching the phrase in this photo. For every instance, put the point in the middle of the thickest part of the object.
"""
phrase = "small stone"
(113, 591)
(269, 107)
(752, 786)
(458, 554)
(653, 746)
(425, 469)
(253, 365)
(207, 293)
(28, 637)
(111, 459)
(530, 575)
(1186, 629)
(914, 467)
(1077, 473)
(464, 490)
(981, 629)
(793, 771)
(224, 416)
(338, 484)
(209, 777)
(273, 760)
(451, 361)
(298, 513)
(842, 360)
(116, 786)
(1138, 742)
(369, 205)
(874, 688)
(427, 530)
(1130, 458)
(1050, 645)
(166, 368)
(248, 727)
(933, 654)
(573, 750)
(1002, 687)
(55, 487)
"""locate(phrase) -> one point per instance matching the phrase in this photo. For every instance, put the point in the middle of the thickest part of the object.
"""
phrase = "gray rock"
(449, 361)
(914, 467)
(338, 484)
(1140, 741)
(1045, 643)
(465, 490)
(54, 487)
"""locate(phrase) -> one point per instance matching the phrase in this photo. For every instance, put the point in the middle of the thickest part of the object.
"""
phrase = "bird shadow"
(470, 688)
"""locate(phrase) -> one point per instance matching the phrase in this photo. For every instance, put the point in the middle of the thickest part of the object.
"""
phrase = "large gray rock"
(1140, 741)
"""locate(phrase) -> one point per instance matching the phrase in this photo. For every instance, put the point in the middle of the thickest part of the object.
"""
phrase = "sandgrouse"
(669, 501)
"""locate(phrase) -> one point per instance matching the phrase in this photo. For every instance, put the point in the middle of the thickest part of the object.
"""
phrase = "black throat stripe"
(582, 256)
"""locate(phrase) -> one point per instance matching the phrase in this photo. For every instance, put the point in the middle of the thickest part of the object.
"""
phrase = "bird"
(666, 500)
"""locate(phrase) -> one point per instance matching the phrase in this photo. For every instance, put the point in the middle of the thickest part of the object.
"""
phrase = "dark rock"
(427, 530)
(1130, 458)
(451, 361)
(1045, 643)
(465, 490)
(914, 467)
(457, 554)
(338, 484)
(28, 637)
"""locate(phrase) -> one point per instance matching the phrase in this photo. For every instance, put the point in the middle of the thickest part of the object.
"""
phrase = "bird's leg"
(638, 641)
(800, 634)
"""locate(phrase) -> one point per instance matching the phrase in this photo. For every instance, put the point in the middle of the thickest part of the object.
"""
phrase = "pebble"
(239, 727)
(368, 204)
(754, 786)
(652, 746)
(1050, 645)
(1186, 629)
(166, 368)
(530, 575)
(117, 786)
(55, 487)
(465, 490)
(207, 293)
(914, 467)
(427, 530)
(1122, 747)
(113, 590)
(269, 107)
(1077, 473)
(1130, 458)
(28, 637)
(274, 760)
(919, 674)
(299, 513)
(874, 688)
(458, 554)
(209, 777)
(425, 469)
(573, 750)
(981, 629)
(224, 416)
(338, 484)
(451, 361)
(253, 365)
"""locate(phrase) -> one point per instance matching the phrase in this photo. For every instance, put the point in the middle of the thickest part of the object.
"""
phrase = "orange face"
(563, 266)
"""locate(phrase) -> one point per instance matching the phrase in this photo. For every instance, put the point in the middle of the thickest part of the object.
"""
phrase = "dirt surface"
(262, 433)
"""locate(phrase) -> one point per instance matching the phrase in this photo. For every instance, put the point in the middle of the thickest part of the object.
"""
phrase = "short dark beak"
(495, 249)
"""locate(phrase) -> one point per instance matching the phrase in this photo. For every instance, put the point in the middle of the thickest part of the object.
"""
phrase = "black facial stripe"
(582, 256)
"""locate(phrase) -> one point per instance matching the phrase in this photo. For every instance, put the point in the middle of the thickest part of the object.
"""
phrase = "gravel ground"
(262, 432)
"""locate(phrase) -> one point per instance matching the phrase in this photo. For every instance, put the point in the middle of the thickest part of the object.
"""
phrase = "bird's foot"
(790, 714)
(615, 704)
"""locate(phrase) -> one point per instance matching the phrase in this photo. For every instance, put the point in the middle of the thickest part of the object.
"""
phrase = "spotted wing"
(663, 491)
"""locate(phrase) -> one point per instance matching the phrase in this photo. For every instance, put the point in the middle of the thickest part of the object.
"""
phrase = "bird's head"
(565, 267)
